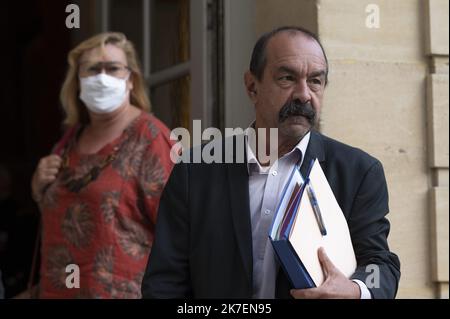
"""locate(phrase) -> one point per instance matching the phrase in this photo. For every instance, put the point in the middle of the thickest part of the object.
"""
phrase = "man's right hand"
(45, 174)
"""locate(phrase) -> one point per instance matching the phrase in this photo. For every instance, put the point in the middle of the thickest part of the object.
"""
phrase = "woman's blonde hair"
(74, 108)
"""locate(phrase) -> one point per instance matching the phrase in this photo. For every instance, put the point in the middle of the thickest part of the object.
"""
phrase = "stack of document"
(308, 217)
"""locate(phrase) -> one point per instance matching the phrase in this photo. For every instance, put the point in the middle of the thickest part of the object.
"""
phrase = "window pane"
(170, 33)
(169, 47)
(171, 102)
(126, 17)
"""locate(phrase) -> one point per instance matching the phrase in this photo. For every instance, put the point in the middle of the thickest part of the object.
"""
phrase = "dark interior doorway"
(34, 58)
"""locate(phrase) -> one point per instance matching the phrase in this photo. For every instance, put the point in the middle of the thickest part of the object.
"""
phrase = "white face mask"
(103, 93)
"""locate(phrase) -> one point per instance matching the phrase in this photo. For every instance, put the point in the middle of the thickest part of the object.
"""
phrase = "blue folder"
(288, 258)
(292, 266)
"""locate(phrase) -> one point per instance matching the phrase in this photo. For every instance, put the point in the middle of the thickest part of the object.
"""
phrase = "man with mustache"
(213, 222)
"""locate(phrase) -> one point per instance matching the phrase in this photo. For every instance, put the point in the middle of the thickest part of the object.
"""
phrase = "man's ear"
(250, 85)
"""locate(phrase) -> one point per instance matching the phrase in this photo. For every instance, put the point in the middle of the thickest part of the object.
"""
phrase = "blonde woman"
(99, 190)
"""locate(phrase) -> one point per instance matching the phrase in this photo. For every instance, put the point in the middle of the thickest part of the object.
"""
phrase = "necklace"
(77, 184)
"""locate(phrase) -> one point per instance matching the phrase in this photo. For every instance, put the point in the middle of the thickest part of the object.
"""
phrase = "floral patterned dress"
(105, 224)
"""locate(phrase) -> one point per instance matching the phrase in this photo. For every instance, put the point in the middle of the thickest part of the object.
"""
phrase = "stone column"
(436, 17)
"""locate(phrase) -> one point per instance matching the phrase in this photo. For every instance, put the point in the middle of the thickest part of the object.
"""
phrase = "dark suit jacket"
(203, 241)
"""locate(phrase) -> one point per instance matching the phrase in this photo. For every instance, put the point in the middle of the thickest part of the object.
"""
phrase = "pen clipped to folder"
(316, 209)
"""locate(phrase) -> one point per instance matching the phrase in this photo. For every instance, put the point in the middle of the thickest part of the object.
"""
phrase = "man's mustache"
(297, 108)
